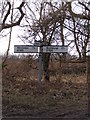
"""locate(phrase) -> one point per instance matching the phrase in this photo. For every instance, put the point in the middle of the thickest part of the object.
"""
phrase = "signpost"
(40, 67)
(55, 49)
(42, 49)
(25, 49)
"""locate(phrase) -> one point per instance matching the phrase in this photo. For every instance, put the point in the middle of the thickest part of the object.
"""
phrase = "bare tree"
(80, 32)
(45, 27)
(48, 21)
(9, 22)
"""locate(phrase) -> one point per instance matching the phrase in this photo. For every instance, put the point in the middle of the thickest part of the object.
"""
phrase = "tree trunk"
(60, 69)
(84, 53)
(46, 60)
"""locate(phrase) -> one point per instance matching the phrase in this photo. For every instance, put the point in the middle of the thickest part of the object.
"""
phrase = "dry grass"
(21, 94)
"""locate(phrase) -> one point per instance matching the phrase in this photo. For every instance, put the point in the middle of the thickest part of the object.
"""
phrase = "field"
(60, 98)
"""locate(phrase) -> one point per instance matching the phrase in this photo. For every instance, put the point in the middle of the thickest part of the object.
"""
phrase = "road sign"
(55, 49)
(45, 49)
(25, 49)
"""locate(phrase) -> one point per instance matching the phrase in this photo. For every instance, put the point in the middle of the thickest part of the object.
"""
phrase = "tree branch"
(8, 12)
(4, 25)
(86, 8)
(81, 16)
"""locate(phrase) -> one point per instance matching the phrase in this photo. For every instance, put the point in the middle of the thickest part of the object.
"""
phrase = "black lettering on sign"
(24, 47)
(20, 50)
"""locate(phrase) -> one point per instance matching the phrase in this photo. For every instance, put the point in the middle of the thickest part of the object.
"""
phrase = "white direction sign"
(25, 49)
(45, 49)
(55, 49)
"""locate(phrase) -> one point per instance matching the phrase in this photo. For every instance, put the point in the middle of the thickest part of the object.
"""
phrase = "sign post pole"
(40, 67)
